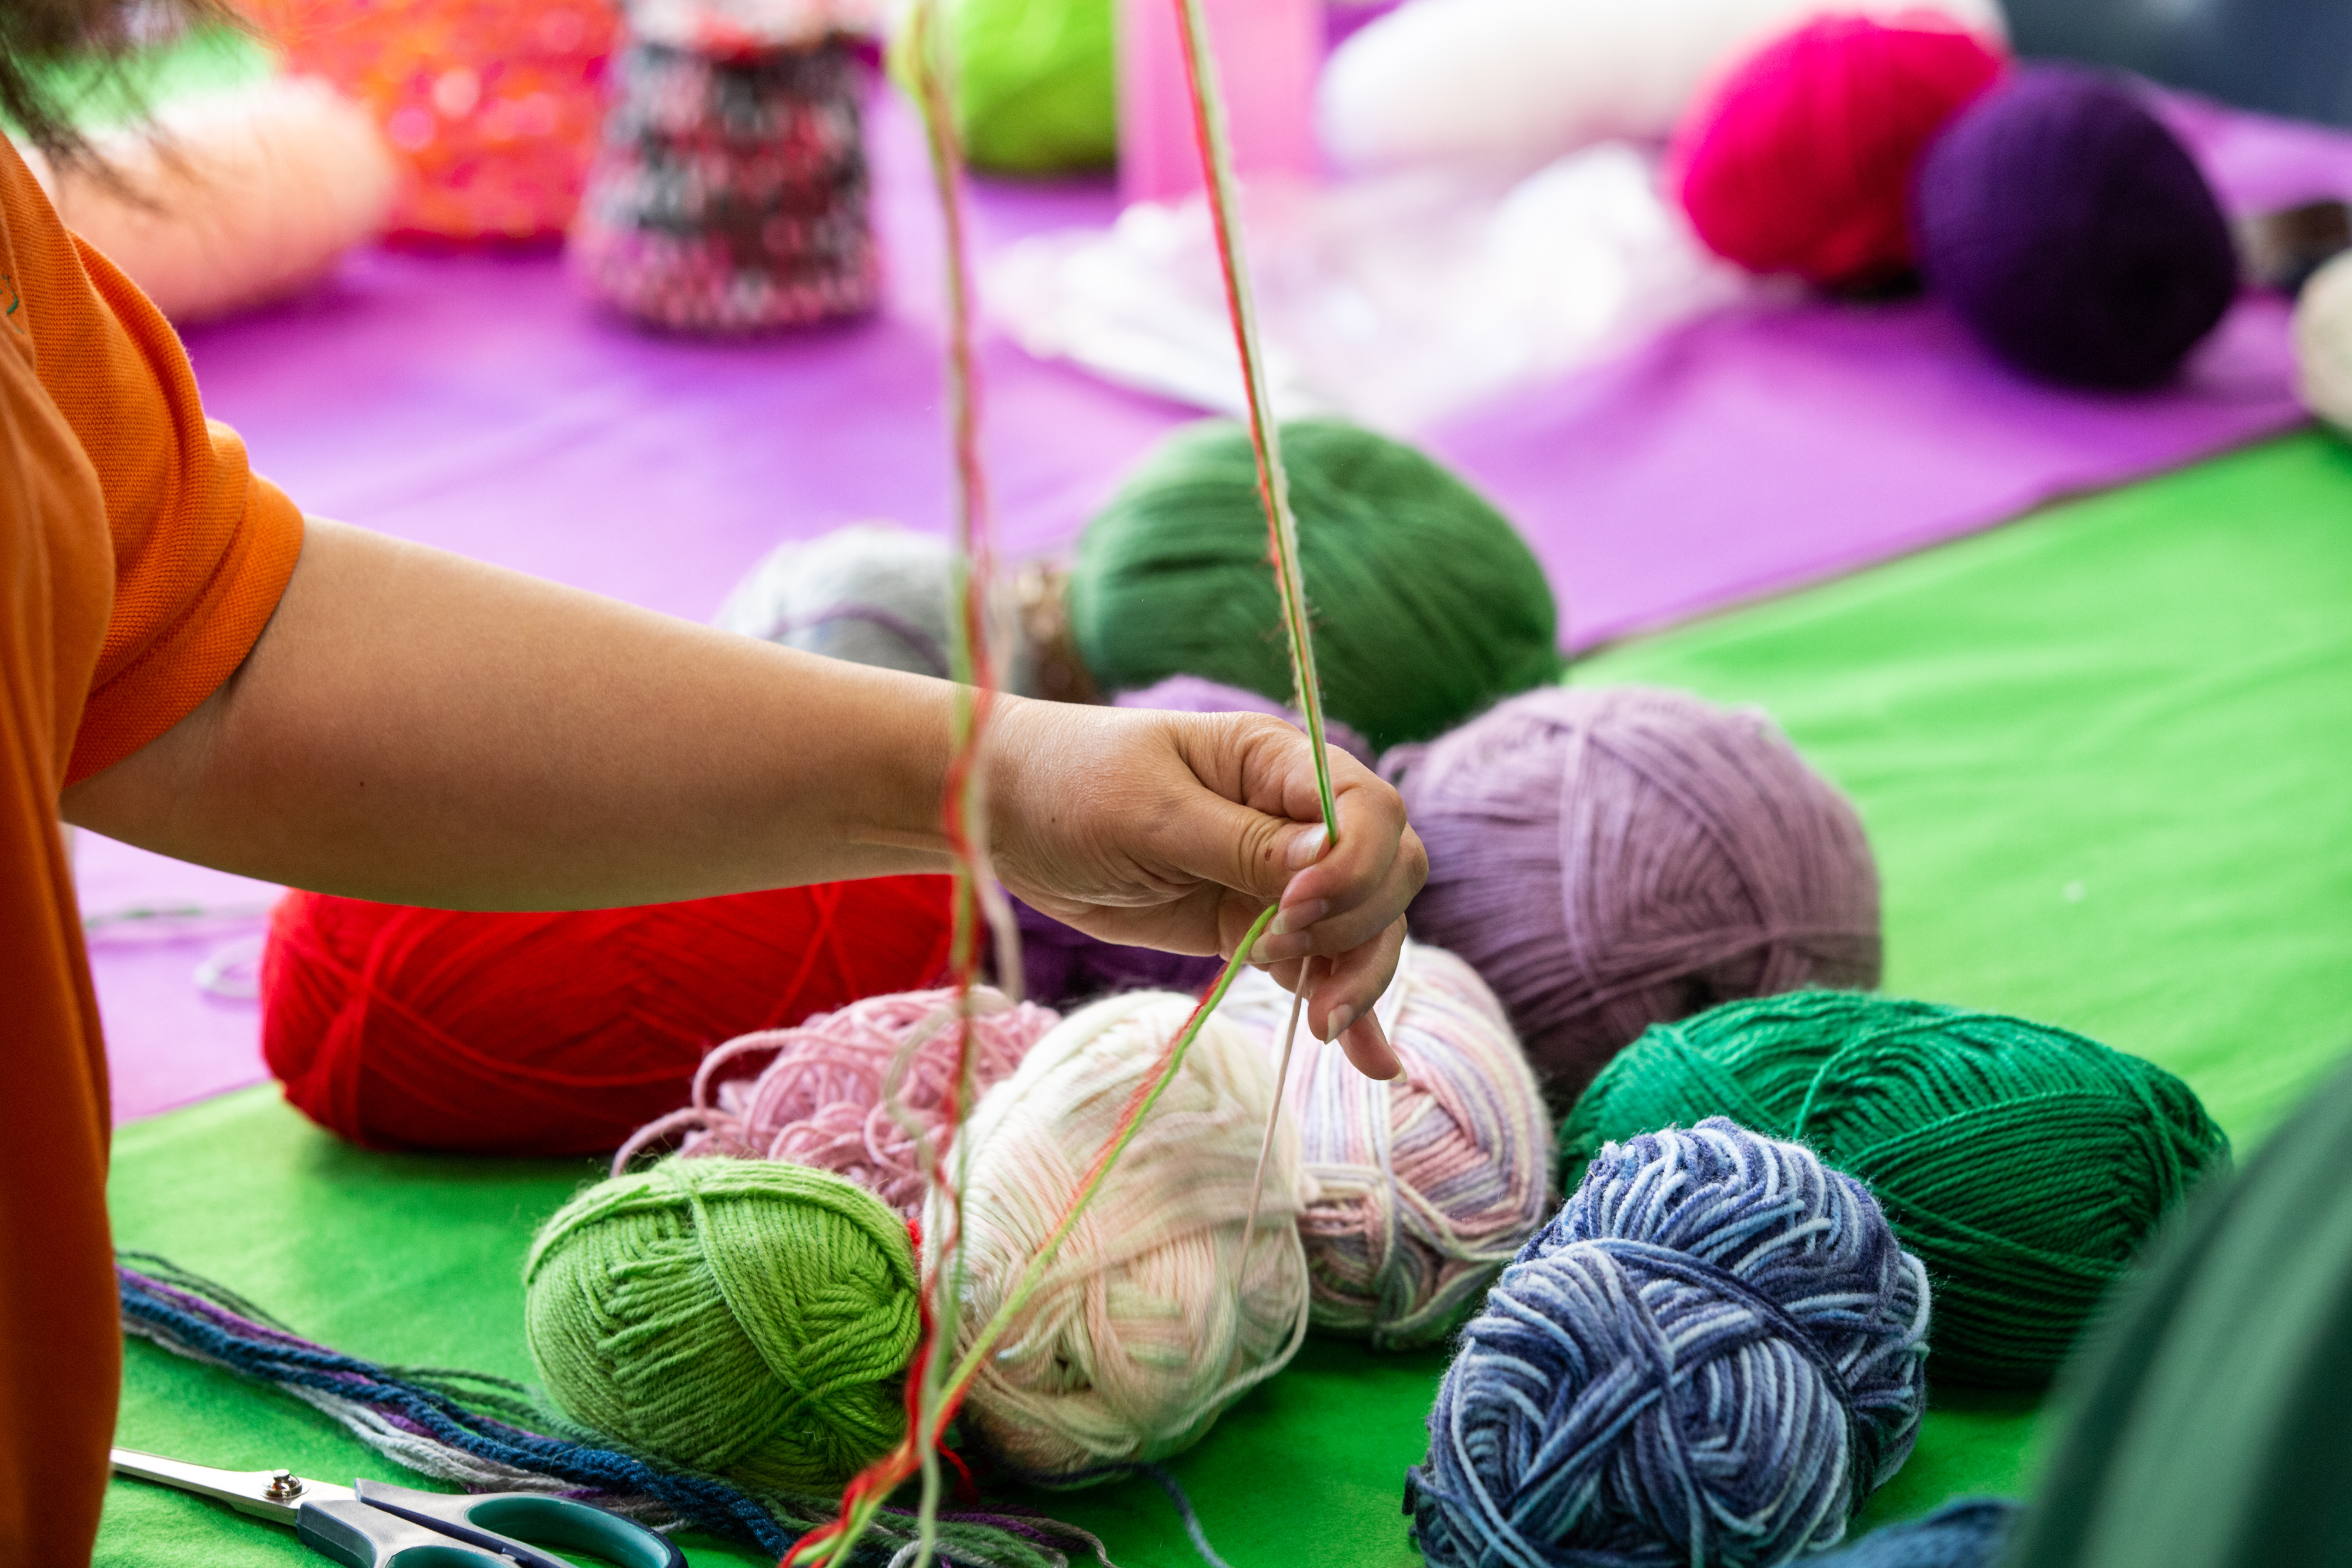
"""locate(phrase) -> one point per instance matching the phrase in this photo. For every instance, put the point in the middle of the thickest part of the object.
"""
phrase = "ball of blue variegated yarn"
(1711, 1355)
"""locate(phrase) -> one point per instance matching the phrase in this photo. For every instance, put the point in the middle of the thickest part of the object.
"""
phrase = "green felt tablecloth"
(2104, 756)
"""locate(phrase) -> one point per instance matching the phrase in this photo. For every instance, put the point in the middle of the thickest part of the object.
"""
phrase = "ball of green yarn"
(1427, 604)
(2024, 1165)
(1034, 83)
(746, 1318)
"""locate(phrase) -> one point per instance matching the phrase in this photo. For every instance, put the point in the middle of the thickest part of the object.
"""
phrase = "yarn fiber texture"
(1139, 1335)
(1609, 858)
(1712, 1355)
(2025, 1164)
(560, 1034)
(872, 593)
(833, 1090)
(1969, 1533)
(2323, 342)
(746, 1318)
(2203, 1425)
(2071, 231)
(1802, 161)
(1427, 1186)
(1427, 605)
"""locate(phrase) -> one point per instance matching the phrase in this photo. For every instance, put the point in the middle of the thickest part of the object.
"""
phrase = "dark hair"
(45, 45)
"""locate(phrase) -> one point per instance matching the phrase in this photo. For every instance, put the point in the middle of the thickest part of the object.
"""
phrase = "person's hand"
(1175, 830)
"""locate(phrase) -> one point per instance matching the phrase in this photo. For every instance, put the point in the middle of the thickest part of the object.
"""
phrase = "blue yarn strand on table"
(1713, 1353)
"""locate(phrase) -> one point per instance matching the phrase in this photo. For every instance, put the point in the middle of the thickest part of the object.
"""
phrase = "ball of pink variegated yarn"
(821, 1099)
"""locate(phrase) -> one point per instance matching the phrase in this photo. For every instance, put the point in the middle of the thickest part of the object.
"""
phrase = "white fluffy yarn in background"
(233, 199)
(2323, 342)
(1427, 1186)
(1519, 82)
(872, 593)
(1394, 299)
(1137, 1337)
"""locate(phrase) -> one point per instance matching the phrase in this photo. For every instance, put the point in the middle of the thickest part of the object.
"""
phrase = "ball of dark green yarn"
(746, 1318)
(2024, 1165)
(1427, 604)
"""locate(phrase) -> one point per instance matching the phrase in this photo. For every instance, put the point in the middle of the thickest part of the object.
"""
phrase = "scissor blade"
(265, 1494)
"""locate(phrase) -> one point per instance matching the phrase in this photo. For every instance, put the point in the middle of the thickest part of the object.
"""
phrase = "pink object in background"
(1267, 53)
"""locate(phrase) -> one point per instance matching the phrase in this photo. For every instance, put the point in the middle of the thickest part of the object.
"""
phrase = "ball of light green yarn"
(1427, 604)
(2024, 1165)
(1034, 83)
(747, 1318)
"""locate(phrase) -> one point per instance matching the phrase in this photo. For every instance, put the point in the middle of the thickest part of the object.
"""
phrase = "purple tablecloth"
(477, 402)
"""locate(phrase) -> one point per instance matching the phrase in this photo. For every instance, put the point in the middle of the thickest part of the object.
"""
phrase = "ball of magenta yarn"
(1612, 857)
(1194, 693)
(2071, 232)
(1802, 161)
(1712, 1355)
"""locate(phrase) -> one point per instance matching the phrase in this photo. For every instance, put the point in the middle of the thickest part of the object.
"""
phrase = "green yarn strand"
(2024, 1165)
(747, 1318)
(1426, 605)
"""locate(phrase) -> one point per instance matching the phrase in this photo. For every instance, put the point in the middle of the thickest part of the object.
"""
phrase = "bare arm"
(421, 728)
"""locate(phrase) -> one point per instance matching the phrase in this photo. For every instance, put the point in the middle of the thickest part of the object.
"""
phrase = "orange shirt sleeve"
(202, 546)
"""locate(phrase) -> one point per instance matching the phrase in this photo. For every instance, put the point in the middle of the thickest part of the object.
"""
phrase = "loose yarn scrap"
(476, 1431)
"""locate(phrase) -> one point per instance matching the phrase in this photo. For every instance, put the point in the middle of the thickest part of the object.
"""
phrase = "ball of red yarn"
(560, 1034)
(1801, 160)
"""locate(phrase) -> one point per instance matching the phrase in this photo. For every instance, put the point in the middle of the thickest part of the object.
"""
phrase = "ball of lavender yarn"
(1609, 858)
(1713, 1355)
(1194, 694)
(2071, 230)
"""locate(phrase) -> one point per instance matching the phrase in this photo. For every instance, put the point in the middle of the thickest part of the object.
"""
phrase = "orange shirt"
(139, 561)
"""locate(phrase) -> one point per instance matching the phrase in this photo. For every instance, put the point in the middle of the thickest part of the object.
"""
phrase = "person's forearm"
(420, 728)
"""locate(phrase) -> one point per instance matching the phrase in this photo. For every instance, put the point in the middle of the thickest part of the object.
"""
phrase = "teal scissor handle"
(393, 1527)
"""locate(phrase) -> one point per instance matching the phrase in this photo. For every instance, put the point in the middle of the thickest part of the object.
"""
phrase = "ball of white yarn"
(1426, 1186)
(226, 201)
(2323, 342)
(871, 593)
(1521, 82)
(1137, 1337)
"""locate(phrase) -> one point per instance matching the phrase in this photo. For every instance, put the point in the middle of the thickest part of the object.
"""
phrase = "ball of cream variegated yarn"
(2323, 342)
(1519, 82)
(1137, 1338)
(1429, 1185)
(872, 593)
(231, 199)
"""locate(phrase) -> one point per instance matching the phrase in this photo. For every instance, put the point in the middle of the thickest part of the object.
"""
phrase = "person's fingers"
(1345, 989)
(1229, 841)
(1313, 926)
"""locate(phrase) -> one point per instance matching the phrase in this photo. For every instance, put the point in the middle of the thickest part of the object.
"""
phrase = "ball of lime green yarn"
(746, 1318)
(1034, 83)
(1427, 604)
(2024, 1165)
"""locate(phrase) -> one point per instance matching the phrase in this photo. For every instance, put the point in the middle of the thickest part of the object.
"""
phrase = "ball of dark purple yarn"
(2071, 232)
(1061, 965)
(1195, 693)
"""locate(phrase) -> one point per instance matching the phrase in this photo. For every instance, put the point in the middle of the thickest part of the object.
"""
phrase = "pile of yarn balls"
(2047, 206)
(2025, 1164)
(1713, 1355)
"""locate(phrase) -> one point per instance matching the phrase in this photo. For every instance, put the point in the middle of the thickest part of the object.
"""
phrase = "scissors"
(371, 1525)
